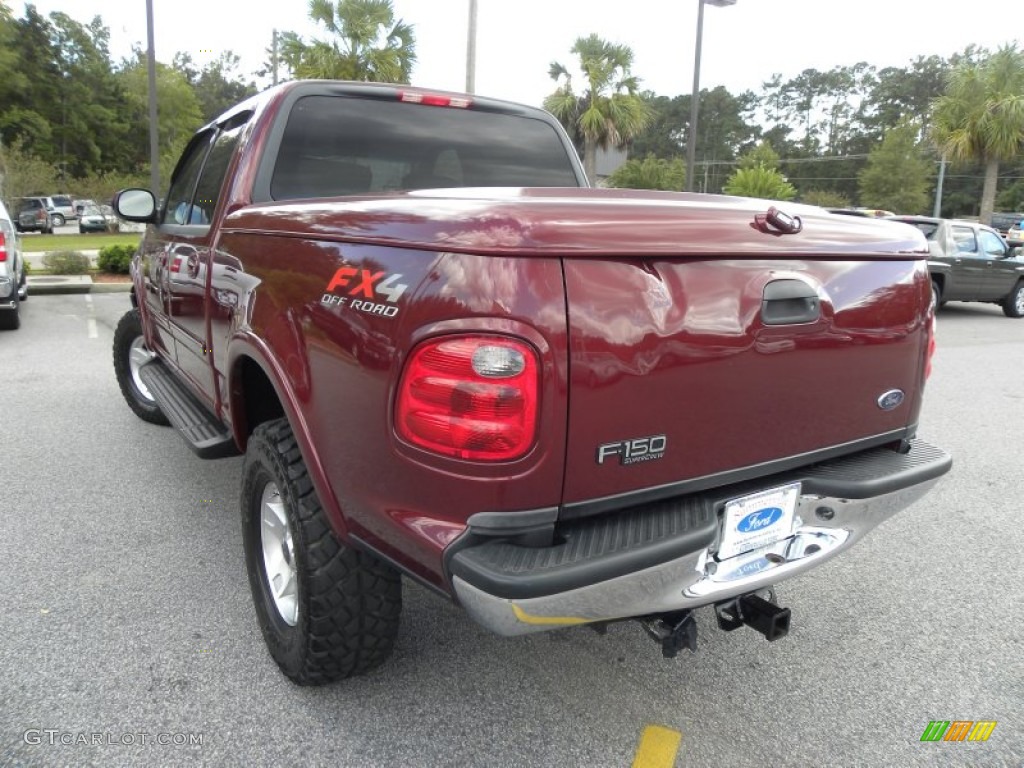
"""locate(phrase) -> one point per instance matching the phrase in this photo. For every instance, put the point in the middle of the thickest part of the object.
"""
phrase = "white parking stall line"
(91, 319)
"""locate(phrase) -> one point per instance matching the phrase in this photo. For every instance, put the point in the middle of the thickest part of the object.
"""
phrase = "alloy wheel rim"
(138, 356)
(1020, 300)
(279, 555)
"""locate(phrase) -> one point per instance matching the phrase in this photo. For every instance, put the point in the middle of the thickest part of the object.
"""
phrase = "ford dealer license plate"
(758, 520)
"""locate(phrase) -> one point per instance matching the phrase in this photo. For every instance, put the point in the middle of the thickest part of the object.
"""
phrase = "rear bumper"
(661, 557)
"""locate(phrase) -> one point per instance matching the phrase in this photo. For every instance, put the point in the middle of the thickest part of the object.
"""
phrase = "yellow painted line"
(658, 747)
(526, 618)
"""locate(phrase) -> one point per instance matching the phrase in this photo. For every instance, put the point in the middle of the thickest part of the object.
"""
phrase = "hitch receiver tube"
(769, 619)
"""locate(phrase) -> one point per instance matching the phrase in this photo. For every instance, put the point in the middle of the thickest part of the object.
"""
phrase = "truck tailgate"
(689, 367)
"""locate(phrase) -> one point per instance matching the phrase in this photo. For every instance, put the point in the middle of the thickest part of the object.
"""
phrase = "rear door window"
(966, 242)
(177, 209)
(211, 180)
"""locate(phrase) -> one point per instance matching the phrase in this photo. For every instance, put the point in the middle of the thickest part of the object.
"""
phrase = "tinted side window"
(966, 242)
(183, 181)
(334, 145)
(212, 178)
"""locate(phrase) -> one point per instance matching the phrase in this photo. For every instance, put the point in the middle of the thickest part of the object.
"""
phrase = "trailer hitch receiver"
(675, 631)
(769, 619)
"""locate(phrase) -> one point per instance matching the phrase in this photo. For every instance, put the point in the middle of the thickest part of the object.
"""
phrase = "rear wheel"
(1013, 304)
(130, 354)
(326, 611)
(58, 220)
(936, 295)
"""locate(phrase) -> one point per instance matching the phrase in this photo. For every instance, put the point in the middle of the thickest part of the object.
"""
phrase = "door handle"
(789, 302)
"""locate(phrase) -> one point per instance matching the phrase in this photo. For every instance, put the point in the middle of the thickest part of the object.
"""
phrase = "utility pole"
(471, 50)
(691, 138)
(937, 211)
(154, 142)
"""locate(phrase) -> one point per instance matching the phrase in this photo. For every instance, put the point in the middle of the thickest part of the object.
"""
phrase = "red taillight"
(931, 348)
(3, 247)
(471, 397)
(434, 99)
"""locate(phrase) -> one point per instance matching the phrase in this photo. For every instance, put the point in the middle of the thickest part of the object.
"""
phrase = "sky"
(743, 44)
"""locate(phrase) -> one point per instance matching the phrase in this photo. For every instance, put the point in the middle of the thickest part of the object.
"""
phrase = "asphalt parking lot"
(127, 615)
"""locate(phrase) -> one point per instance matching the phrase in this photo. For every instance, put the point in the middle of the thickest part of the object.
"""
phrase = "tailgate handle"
(788, 302)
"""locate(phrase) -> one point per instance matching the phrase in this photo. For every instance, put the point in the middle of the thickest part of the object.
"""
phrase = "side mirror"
(136, 204)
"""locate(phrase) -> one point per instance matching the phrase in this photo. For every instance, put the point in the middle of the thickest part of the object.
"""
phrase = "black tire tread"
(1010, 302)
(349, 609)
(10, 319)
(129, 327)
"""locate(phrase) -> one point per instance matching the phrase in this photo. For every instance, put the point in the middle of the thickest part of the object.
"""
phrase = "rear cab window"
(334, 145)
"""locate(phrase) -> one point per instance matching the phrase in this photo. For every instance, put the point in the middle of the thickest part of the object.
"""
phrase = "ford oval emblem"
(758, 521)
(891, 399)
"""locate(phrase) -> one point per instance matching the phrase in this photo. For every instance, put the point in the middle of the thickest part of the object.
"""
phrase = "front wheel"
(326, 611)
(130, 354)
(1013, 304)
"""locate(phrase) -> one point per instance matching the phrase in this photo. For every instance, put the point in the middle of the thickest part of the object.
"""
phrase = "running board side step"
(202, 431)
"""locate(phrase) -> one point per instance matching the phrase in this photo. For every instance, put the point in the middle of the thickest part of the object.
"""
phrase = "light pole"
(691, 139)
(471, 49)
(154, 147)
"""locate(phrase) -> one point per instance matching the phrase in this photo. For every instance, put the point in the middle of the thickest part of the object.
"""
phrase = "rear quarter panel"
(339, 365)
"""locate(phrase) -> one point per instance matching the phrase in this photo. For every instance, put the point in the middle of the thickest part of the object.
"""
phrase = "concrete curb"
(42, 285)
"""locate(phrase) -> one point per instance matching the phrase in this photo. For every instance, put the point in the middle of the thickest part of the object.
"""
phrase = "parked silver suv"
(33, 215)
(13, 282)
(61, 208)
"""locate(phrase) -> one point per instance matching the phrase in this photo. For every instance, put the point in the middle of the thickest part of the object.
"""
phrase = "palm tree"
(610, 112)
(369, 44)
(981, 116)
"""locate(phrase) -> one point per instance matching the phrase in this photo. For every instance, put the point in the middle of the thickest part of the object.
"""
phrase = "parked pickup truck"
(445, 357)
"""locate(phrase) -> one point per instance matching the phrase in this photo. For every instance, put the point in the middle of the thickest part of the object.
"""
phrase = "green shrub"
(66, 262)
(116, 259)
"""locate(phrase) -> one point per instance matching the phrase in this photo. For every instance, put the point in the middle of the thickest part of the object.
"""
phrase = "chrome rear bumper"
(825, 526)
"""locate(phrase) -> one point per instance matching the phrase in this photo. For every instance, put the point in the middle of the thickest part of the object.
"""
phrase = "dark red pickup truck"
(444, 356)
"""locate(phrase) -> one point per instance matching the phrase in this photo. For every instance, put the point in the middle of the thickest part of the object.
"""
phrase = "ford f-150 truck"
(444, 356)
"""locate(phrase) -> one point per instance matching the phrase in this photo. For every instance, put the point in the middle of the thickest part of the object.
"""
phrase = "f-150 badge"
(360, 289)
(633, 451)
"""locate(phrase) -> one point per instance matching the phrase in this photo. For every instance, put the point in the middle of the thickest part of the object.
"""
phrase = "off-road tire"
(348, 602)
(10, 319)
(127, 333)
(1013, 304)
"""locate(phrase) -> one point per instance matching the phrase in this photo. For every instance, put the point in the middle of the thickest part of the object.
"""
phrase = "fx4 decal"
(633, 451)
(359, 289)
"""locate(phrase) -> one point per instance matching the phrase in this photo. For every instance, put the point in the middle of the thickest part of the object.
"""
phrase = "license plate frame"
(758, 519)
